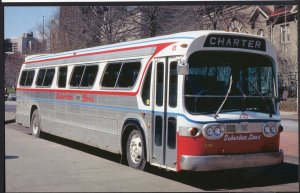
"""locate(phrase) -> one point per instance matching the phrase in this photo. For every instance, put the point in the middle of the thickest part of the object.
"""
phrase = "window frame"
(147, 70)
(81, 87)
(122, 62)
(285, 28)
(33, 70)
(57, 80)
(44, 77)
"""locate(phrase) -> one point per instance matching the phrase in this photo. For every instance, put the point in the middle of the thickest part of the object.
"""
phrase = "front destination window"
(212, 73)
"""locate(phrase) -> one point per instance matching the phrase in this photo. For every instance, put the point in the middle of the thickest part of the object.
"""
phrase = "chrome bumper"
(220, 162)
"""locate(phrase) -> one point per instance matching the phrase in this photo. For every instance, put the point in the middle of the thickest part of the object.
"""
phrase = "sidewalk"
(289, 115)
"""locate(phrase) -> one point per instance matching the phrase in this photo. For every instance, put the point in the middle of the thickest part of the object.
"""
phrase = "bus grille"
(230, 128)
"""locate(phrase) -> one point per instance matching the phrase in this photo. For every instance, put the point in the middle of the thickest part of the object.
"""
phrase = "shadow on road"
(209, 181)
(11, 157)
(235, 178)
(10, 121)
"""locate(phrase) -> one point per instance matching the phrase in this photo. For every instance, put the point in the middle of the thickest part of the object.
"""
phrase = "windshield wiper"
(221, 106)
(267, 104)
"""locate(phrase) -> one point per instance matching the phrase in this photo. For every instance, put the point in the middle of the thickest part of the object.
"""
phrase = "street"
(55, 164)
(10, 106)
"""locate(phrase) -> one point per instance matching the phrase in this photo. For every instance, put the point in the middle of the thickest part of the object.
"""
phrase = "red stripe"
(95, 53)
(122, 93)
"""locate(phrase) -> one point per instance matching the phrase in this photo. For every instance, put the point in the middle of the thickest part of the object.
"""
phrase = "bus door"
(165, 99)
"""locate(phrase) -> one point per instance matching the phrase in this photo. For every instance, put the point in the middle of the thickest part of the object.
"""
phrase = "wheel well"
(32, 110)
(128, 126)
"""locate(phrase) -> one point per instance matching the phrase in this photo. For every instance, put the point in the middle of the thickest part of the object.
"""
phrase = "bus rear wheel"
(36, 123)
(135, 150)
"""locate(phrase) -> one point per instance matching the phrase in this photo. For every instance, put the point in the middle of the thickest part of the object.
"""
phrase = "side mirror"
(182, 68)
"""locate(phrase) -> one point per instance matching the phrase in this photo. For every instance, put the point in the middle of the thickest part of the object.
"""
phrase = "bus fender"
(137, 122)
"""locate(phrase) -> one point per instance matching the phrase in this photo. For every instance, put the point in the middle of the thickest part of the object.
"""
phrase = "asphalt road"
(54, 164)
(10, 106)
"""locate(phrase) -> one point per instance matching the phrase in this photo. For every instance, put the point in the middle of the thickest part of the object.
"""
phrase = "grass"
(11, 90)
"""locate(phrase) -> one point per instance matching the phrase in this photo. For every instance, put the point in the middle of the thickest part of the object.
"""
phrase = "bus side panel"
(23, 107)
(94, 123)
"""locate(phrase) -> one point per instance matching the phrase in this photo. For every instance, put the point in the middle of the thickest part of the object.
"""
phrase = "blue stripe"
(148, 111)
(106, 47)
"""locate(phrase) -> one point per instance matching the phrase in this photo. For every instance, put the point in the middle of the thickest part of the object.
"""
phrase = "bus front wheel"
(36, 123)
(135, 153)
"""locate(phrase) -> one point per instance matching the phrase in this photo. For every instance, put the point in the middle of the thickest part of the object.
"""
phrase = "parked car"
(12, 97)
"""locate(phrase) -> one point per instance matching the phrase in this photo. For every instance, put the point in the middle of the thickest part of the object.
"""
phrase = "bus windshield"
(208, 82)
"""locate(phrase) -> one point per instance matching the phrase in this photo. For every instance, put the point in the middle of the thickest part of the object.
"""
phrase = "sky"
(23, 19)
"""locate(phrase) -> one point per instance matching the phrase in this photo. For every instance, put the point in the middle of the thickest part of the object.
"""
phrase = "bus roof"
(144, 46)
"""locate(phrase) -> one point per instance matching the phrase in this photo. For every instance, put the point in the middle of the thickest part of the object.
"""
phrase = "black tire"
(135, 150)
(35, 124)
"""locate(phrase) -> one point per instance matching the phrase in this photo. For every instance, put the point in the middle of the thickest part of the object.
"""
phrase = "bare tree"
(13, 63)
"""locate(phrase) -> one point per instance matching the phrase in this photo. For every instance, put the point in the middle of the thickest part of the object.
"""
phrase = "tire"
(35, 124)
(135, 150)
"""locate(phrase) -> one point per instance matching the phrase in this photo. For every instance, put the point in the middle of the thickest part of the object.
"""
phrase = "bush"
(290, 105)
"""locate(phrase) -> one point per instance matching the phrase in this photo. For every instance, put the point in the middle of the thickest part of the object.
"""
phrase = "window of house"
(62, 76)
(285, 33)
(84, 76)
(260, 32)
(45, 77)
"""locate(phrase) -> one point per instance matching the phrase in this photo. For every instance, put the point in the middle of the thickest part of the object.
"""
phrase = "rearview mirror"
(182, 68)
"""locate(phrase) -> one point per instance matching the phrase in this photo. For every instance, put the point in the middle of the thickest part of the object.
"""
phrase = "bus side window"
(146, 87)
(49, 77)
(40, 78)
(62, 76)
(128, 74)
(89, 76)
(23, 78)
(76, 76)
(29, 79)
(110, 75)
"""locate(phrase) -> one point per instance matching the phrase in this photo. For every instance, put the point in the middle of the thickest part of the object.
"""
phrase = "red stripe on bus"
(79, 91)
(95, 53)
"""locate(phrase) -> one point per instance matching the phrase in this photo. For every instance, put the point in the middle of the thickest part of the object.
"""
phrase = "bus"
(190, 101)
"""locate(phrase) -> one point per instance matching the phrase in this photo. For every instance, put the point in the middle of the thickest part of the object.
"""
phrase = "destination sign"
(230, 41)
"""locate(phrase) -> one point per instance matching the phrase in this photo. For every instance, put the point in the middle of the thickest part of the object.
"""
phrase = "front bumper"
(221, 162)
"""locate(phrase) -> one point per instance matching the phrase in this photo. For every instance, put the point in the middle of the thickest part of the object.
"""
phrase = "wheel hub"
(135, 148)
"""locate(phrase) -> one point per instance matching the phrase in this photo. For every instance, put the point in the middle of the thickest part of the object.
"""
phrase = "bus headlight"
(209, 131)
(217, 131)
(267, 129)
(273, 130)
(270, 129)
(213, 131)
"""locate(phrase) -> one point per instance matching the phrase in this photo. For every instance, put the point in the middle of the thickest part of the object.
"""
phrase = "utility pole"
(43, 35)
